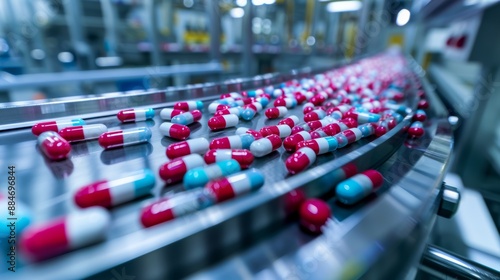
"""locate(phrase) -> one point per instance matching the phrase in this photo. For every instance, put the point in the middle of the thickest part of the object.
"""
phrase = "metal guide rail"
(190, 243)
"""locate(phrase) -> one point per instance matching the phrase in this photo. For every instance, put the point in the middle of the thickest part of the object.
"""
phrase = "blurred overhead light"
(257, 2)
(188, 3)
(109, 61)
(38, 54)
(237, 12)
(269, 2)
(343, 6)
(403, 17)
(241, 3)
(65, 57)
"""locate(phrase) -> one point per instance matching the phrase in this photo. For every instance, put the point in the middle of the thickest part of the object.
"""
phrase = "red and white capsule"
(359, 186)
(286, 102)
(246, 130)
(308, 107)
(223, 121)
(126, 137)
(174, 130)
(235, 185)
(58, 236)
(55, 126)
(189, 105)
(83, 132)
(315, 115)
(290, 143)
(276, 112)
(416, 130)
(168, 113)
(300, 160)
(187, 118)
(234, 110)
(216, 106)
(184, 148)
(53, 145)
(282, 130)
(135, 115)
(290, 121)
(242, 156)
(266, 145)
(173, 171)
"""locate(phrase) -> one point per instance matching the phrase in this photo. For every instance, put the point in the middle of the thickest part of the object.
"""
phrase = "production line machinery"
(255, 235)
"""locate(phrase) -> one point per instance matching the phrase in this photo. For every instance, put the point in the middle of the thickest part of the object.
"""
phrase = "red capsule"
(318, 99)
(290, 143)
(416, 130)
(135, 115)
(244, 157)
(243, 130)
(314, 213)
(308, 107)
(223, 121)
(192, 146)
(300, 160)
(176, 131)
(315, 115)
(276, 112)
(53, 145)
(290, 121)
(282, 130)
(173, 171)
(423, 104)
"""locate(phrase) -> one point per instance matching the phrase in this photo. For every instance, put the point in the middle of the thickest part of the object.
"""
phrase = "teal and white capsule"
(198, 177)
(241, 141)
(135, 115)
(401, 109)
(361, 117)
(359, 186)
(367, 129)
(111, 193)
(235, 185)
(189, 105)
(187, 118)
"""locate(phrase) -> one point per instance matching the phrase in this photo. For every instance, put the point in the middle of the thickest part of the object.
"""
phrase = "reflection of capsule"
(191, 146)
(235, 185)
(266, 145)
(53, 145)
(199, 176)
(111, 193)
(189, 105)
(320, 145)
(135, 115)
(176, 131)
(300, 160)
(291, 141)
(242, 156)
(126, 137)
(246, 130)
(168, 113)
(83, 132)
(282, 130)
(276, 112)
(290, 121)
(223, 121)
(416, 130)
(55, 126)
(180, 204)
(114, 156)
(76, 230)
(420, 116)
(173, 171)
(359, 186)
(187, 118)
(241, 141)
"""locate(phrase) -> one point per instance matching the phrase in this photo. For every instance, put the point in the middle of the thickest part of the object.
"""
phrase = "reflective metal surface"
(446, 265)
(450, 200)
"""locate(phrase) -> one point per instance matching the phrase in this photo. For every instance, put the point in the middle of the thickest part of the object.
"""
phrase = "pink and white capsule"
(315, 115)
(191, 146)
(243, 156)
(276, 112)
(216, 106)
(223, 121)
(300, 160)
(286, 102)
(135, 115)
(168, 113)
(308, 107)
(189, 105)
(234, 110)
(61, 235)
(174, 130)
(53, 145)
(282, 130)
(290, 143)
(83, 132)
(290, 121)
(246, 130)
(265, 146)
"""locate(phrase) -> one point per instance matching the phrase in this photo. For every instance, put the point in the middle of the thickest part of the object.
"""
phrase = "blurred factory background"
(67, 49)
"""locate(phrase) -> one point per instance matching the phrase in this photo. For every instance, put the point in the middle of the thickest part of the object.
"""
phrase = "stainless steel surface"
(447, 265)
(450, 200)
(51, 79)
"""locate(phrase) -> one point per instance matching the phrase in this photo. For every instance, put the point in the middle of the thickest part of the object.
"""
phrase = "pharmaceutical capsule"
(173, 171)
(420, 116)
(223, 121)
(362, 117)
(290, 121)
(246, 130)
(320, 145)
(126, 137)
(187, 118)
(55, 237)
(277, 93)
(313, 125)
(315, 115)
(235, 185)
(176, 131)
(168, 113)
(231, 94)
(291, 141)
(53, 145)
(423, 104)
(55, 126)
(135, 115)
(318, 99)
(180, 204)
(191, 146)
(82, 132)
(189, 105)
(416, 129)
(242, 156)
(234, 110)
(308, 107)
(241, 141)
(216, 106)
(282, 130)
(381, 128)
(198, 177)
(300, 98)
(265, 146)
(391, 113)
(400, 109)
(359, 186)
(300, 160)
(250, 110)
(348, 136)
(314, 214)
(111, 193)
(276, 112)
(286, 102)
(263, 100)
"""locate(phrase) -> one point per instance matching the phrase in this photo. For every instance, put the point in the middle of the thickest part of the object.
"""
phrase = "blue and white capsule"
(359, 186)
(198, 177)
(242, 141)
(189, 105)
(367, 129)
(187, 118)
